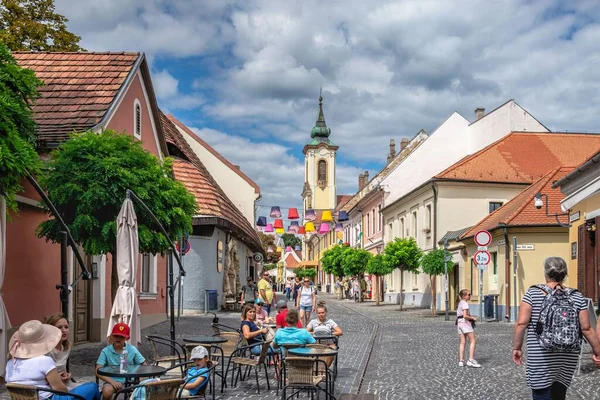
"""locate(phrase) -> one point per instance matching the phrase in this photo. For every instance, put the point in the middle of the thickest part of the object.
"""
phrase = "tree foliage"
(266, 241)
(33, 25)
(355, 261)
(306, 272)
(377, 265)
(333, 260)
(289, 239)
(432, 263)
(403, 254)
(17, 128)
(87, 179)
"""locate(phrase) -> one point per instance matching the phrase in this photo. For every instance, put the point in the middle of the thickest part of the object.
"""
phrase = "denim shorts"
(306, 308)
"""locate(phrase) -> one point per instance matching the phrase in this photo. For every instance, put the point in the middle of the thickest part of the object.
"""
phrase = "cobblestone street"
(393, 354)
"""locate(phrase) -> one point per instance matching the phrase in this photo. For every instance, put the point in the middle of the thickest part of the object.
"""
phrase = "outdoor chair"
(226, 352)
(202, 393)
(26, 392)
(324, 368)
(157, 390)
(218, 328)
(301, 376)
(283, 349)
(239, 360)
(178, 353)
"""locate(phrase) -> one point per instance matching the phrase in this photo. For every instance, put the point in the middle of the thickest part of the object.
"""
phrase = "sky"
(245, 75)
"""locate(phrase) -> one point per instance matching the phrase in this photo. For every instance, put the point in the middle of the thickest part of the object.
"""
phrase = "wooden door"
(455, 288)
(587, 260)
(81, 304)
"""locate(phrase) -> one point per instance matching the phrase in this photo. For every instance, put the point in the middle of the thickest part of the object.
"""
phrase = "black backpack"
(558, 327)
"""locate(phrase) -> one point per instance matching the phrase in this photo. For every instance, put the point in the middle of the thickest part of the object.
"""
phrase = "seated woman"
(250, 331)
(30, 365)
(261, 315)
(60, 354)
(291, 334)
(323, 326)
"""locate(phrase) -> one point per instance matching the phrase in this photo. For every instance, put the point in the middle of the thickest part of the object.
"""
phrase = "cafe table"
(134, 372)
(312, 352)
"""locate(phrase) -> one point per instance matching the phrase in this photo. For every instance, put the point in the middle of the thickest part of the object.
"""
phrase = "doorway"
(81, 303)
(454, 287)
(588, 259)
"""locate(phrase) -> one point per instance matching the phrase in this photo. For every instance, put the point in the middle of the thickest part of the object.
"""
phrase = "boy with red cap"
(111, 356)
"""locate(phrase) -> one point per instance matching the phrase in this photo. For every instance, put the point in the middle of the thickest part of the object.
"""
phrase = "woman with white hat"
(30, 365)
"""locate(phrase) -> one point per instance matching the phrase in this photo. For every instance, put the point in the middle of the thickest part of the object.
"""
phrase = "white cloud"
(167, 91)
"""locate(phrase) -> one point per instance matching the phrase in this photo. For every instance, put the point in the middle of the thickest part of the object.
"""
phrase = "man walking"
(249, 291)
(265, 291)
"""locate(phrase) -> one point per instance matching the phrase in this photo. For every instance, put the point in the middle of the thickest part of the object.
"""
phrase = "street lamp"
(539, 203)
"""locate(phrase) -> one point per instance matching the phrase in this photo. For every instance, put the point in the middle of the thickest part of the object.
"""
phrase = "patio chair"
(218, 328)
(158, 390)
(251, 363)
(202, 393)
(283, 348)
(226, 352)
(325, 367)
(301, 376)
(178, 352)
(27, 392)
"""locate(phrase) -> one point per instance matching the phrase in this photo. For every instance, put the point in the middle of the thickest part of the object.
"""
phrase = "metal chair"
(158, 390)
(251, 362)
(178, 352)
(301, 376)
(27, 392)
(202, 392)
(226, 351)
(219, 328)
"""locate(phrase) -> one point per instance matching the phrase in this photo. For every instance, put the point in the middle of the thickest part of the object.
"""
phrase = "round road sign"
(483, 238)
(482, 257)
(257, 257)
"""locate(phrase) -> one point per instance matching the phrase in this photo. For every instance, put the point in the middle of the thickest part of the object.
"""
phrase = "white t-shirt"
(306, 296)
(322, 328)
(30, 371)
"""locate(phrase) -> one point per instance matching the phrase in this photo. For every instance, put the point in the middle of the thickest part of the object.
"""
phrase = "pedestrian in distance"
(306, 301)
(249, 292)
(265, 291)
(554, 318)
(465, 323)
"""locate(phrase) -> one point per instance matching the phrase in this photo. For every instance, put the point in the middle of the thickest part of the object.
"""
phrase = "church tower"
(319, 191)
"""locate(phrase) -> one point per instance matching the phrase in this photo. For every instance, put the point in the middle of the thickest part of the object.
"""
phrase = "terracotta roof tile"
(81, 86)
(523, 157)
(521, 211)
(211, 200)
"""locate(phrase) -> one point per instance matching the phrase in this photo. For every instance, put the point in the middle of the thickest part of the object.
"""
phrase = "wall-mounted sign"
(501, 242)
(573, 250)
(526, 247)
(574, 217)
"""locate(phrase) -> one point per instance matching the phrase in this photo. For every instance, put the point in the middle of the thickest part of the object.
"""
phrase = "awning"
(583, 193)
(308, 263)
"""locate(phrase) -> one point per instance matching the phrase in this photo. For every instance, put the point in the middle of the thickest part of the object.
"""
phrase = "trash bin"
(488, 306)
(211, 300)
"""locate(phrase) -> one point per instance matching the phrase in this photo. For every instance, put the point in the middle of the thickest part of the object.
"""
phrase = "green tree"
(333, 260)
(355, 263)
(432, 264)
(17, 137)
(87, 178)
(33, 25)
(379, 267)
(405, 255)
(289, 239)
(306, 272)
(269, 241)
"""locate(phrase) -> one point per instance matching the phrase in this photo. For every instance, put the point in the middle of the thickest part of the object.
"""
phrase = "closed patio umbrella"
(4, 321)
(125, 307)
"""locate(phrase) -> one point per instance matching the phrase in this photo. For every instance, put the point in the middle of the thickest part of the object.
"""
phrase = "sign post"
(482, 258)
(446, 276)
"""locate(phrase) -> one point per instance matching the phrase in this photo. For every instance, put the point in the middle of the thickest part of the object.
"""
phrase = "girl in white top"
(464, 323)
(60, 354)
(306, 301)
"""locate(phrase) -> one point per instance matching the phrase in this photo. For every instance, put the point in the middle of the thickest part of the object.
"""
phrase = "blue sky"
(245, 75)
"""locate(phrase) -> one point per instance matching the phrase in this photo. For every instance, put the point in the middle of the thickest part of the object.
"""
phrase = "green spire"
(320, 129)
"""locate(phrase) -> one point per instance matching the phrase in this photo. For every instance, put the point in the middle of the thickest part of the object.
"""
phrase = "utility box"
(212, 301)
(393, 298)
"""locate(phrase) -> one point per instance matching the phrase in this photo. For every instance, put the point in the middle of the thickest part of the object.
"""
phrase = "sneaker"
(461, 363)
(473, 363)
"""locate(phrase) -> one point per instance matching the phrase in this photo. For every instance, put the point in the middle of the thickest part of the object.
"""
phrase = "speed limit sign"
(482, 257)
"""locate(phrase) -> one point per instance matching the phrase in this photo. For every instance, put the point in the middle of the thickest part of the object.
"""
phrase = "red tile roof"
(215, 153)
(212, 201)
(342, 199)
(523, 157)
(520, 211)
(78, 88)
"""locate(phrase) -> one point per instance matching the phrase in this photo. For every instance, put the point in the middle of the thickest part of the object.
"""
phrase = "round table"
(324, 337)
(312, 352)
(134, 372)
(205, 339)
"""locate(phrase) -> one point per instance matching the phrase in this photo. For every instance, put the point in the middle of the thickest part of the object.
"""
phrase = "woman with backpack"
(306, 301)
(553, 317)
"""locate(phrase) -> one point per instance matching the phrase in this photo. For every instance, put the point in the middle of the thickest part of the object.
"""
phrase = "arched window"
(322, 173)
(137, 119)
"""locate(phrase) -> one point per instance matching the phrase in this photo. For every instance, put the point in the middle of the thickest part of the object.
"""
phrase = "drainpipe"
(435, 201)
(506, 270)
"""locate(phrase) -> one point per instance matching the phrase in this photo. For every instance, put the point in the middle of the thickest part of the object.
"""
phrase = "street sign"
(482, 258)
(483, 238)
(186, 246)
(482, 267)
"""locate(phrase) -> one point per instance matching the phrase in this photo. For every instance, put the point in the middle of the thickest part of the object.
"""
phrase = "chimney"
(392, 154)
(366, 178)
(361, 179)
(479, 113)
(403, 144)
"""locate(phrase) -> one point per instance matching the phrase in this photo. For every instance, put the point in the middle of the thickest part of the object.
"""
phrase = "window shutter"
(581, 260)
(138, 120)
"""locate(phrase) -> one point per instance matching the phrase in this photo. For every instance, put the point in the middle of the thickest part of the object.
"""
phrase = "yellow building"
(582, 200)
(537, 233)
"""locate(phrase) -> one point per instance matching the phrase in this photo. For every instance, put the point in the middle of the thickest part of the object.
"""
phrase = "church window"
(322, 173)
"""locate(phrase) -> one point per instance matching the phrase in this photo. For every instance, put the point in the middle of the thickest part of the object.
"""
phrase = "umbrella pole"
(64, 275)
(171, 289)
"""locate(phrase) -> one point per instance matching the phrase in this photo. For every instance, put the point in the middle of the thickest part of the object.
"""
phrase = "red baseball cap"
(121, 329)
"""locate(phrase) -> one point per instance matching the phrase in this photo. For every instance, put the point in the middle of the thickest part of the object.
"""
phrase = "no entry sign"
(483, 238)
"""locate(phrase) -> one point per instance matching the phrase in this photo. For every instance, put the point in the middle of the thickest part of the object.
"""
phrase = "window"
(495, 262)
(414, 214)
(219, 256)
(322, 173)
(428, 208)
(137, 119)
(494, 205)
(148, 278)
(401, 234)
(415, 282)
(372, 222)
(391, 230)
(368, 230)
